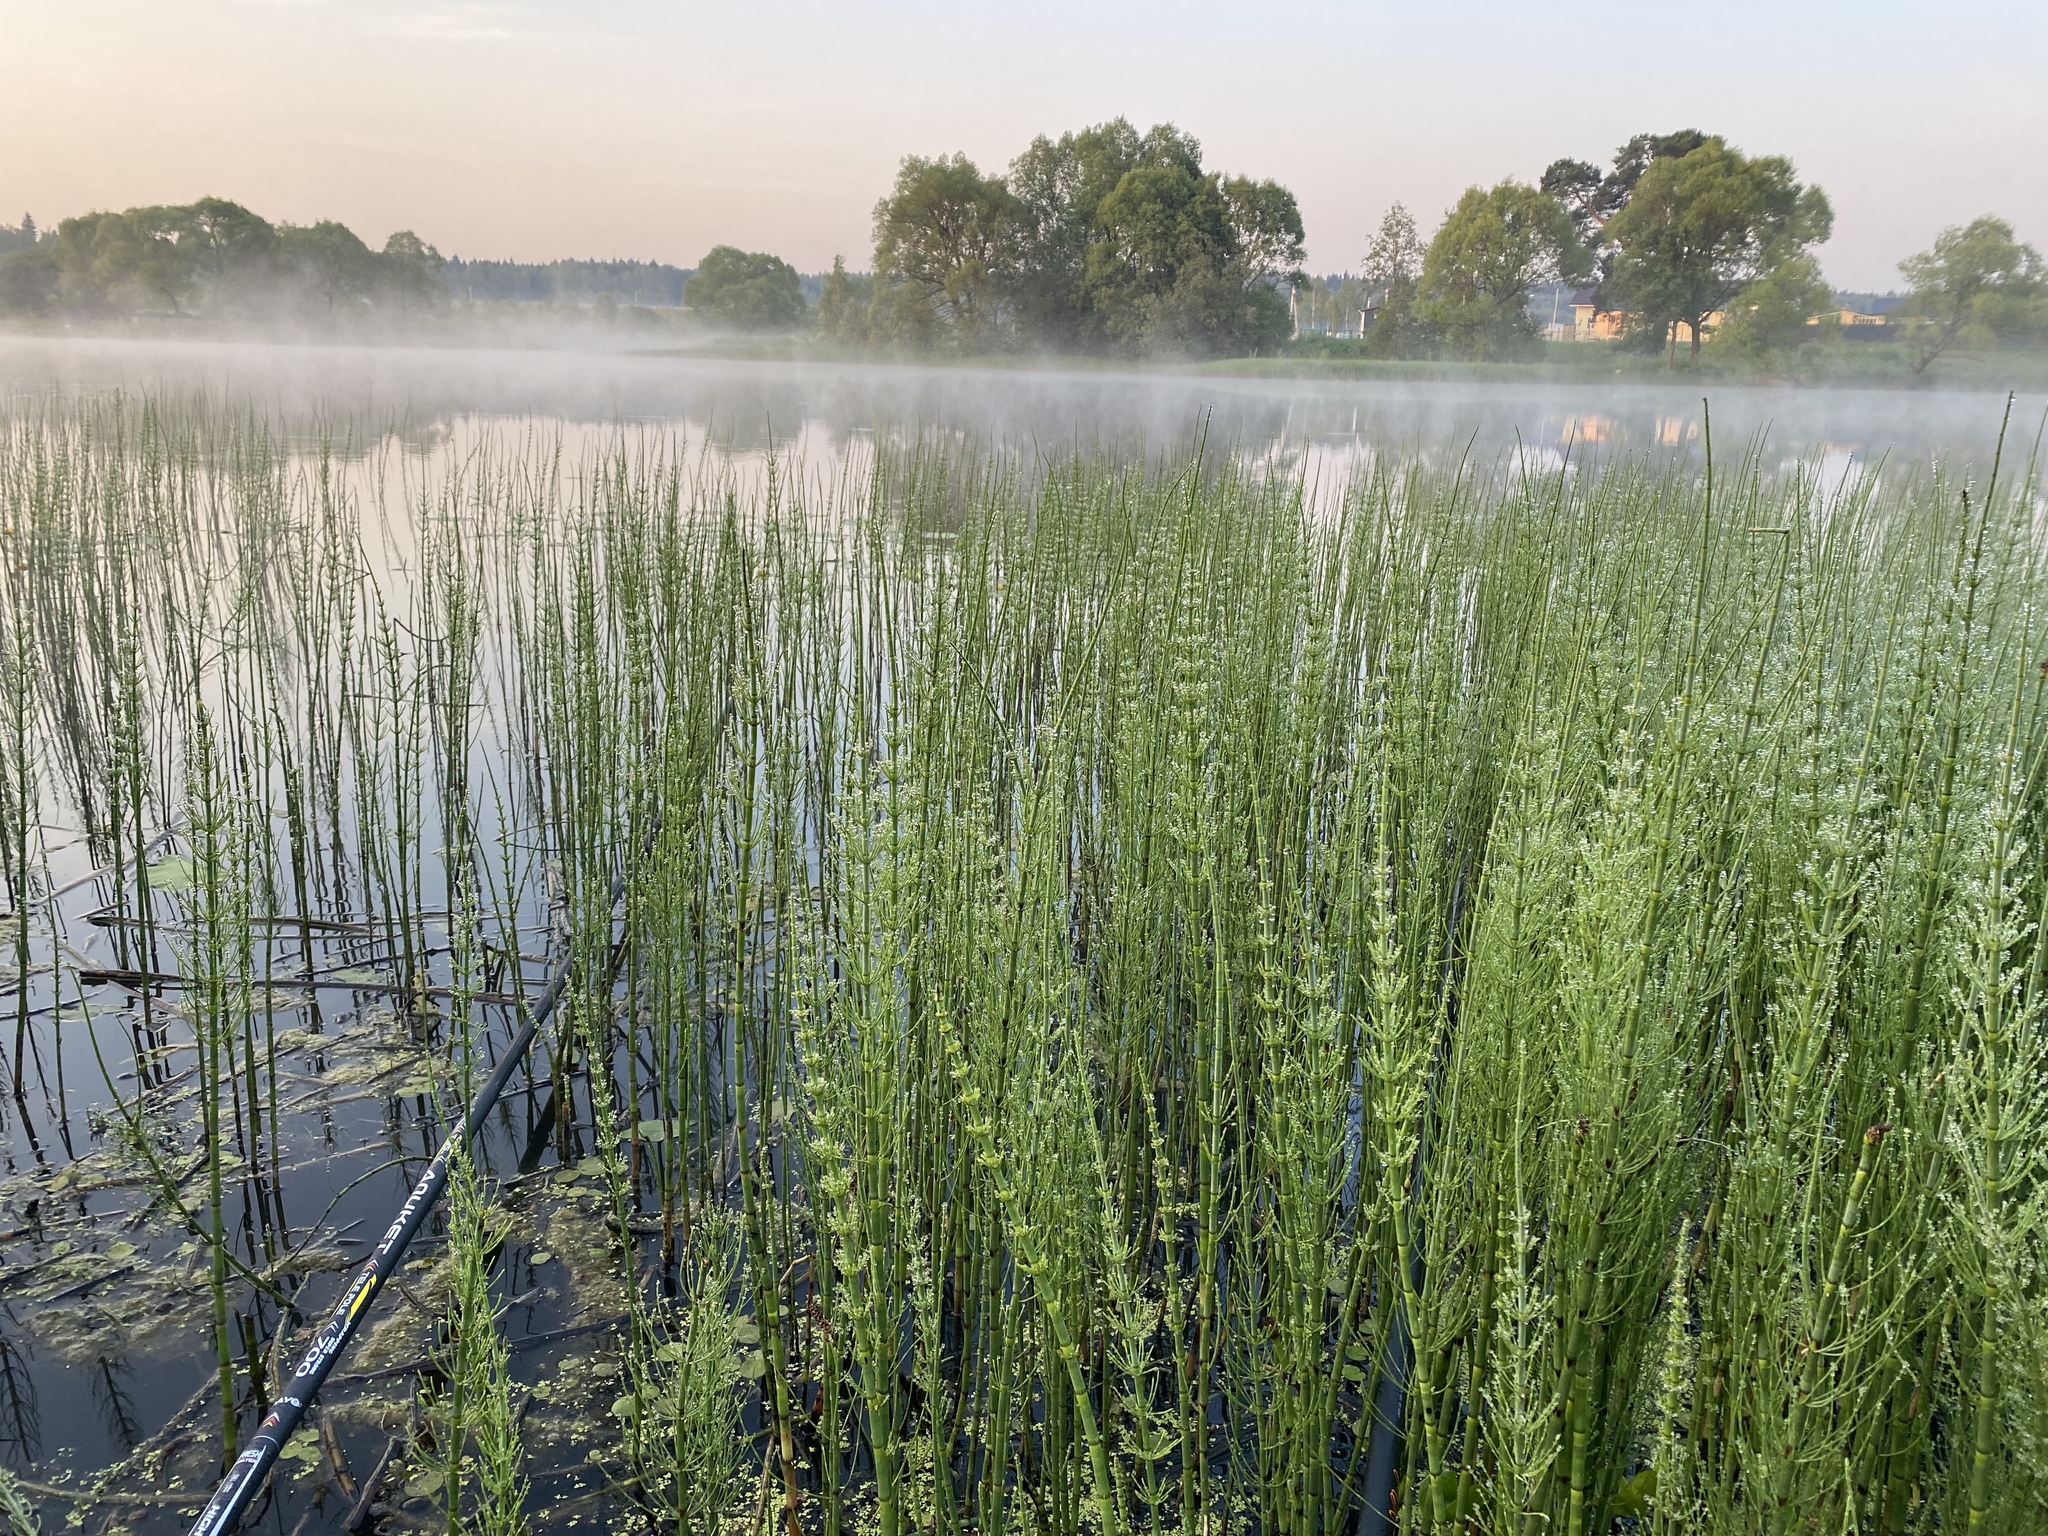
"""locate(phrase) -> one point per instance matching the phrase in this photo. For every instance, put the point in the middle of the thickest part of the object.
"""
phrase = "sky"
(600, 128)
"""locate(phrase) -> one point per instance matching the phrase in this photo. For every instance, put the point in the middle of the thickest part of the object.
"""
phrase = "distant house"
(1590, 322)
(1855, 324)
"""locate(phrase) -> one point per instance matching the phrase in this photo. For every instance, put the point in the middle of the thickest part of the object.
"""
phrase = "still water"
(819, 410)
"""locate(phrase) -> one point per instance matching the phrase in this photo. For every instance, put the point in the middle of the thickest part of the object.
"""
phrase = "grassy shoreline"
(1885, 366)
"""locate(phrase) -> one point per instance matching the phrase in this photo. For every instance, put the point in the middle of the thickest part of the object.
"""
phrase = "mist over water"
(818, 411)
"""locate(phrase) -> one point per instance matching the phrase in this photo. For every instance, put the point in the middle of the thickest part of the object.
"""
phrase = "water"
(822, 409)
(102, 1343)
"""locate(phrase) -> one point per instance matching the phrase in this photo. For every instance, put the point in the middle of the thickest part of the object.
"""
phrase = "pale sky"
(658, 130)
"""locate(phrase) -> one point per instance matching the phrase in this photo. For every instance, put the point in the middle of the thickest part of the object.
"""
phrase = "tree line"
(1112, 241)
(212, 255)
(1669, 234)
(655, 283)
(1681, 237)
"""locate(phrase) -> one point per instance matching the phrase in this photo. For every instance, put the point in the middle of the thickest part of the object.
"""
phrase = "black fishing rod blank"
(245, 1478)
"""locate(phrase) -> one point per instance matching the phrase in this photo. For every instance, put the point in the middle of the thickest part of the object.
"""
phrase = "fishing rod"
(245, 1478)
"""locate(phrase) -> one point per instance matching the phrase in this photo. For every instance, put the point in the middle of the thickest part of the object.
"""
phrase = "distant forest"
(565, 282)
(653, 283)
(218, 259)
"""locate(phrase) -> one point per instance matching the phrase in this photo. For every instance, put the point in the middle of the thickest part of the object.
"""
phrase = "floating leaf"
(121, 1251)
(542, 1256)
(747, 1333)
(173, 874)
(306, 1453)
(750, 1365)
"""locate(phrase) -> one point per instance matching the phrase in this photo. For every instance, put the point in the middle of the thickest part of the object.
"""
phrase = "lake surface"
(819, 410)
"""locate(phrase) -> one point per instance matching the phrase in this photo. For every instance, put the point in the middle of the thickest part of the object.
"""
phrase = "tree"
(1594, 198)
(29, 281)
(843, 305)
(221, 238)
(409, 271)
(1700, 227)
(109, 259)
(1189, 262)
(1769, 317)
(752, 290)
(1059, 187)
(1977, 277)
(1493, 247)
(332, 258)
(948, 234)
(1392, 268)
(1102, 238)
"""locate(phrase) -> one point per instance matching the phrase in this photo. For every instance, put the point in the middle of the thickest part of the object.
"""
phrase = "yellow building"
(1592, 323)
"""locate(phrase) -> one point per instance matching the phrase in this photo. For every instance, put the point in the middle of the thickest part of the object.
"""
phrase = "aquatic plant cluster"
(1507, 1000)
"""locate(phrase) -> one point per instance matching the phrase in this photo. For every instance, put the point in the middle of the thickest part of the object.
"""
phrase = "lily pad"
(174, 873)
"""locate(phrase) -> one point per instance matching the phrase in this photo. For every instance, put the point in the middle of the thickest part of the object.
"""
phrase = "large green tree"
(1977, 278)
(115, 260)
(331, 260)
(1190, 262)
(1492, 248)
(1102, 238)
(409, 271)
(1702, 226)
(947, 235)
(1594, 197)
(749, 289)
(1059, 186)
(222, 239)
